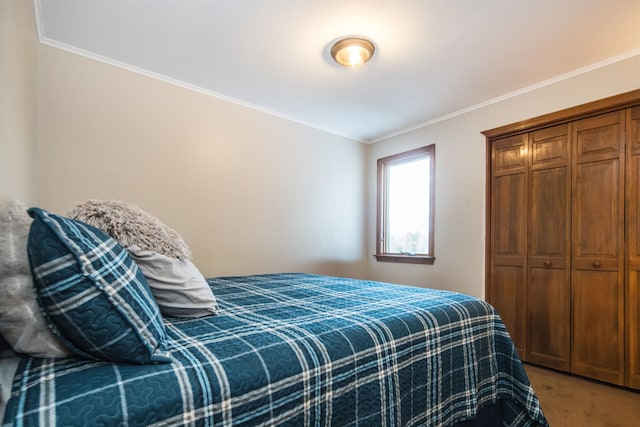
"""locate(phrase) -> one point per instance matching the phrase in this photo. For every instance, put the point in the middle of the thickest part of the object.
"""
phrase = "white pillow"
(21, 321)
(177, 285)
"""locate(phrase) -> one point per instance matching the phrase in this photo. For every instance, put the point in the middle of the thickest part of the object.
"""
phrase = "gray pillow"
(22, 323)
(129, 225)
(8, 369)
(177, 285)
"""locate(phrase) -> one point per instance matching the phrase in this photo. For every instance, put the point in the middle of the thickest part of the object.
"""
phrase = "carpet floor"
(569, 401)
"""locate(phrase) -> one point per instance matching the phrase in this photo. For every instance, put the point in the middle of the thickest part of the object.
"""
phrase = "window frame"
(381, 211)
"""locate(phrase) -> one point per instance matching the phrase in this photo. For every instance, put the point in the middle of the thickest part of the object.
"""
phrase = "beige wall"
(249, 192)
(460, 175)
(18, 47)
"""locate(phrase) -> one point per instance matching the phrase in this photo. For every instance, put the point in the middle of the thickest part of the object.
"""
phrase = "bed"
(300, 350)
(108, 322)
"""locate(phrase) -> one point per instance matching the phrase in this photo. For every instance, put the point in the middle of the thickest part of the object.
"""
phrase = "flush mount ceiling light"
(352, 52)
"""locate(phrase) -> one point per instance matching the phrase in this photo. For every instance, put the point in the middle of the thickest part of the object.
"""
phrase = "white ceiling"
(434, 59)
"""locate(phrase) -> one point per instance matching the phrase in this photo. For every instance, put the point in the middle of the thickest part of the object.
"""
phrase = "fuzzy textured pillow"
(22, 323)
(129, 225)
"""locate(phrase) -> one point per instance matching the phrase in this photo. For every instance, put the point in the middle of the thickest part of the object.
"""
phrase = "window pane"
(405, 208)
(408, 207)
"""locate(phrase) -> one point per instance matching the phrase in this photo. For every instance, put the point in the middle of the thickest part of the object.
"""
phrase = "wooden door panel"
(597, 326)
(632, 296)
(633, 207)
(633, 328)
(509, 302)
(634, 130)
(548, 288)
(548, 317)
(549, 207)
(508, 223)
(550, 147)
(599, 137)
(597, 211)
(509, 215)
(509, 155)
(597, 290)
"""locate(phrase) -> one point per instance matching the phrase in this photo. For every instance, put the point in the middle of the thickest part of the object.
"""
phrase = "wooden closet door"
(549, 286)
(633, 262)
(598, 248)
(509, 235)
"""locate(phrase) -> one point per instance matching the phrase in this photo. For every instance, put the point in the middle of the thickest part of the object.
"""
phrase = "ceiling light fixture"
(352, 51)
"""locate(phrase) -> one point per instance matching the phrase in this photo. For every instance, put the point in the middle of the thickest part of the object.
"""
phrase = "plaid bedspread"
(298, 350)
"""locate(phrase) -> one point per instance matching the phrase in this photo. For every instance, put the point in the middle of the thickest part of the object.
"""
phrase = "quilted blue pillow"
(93, 293)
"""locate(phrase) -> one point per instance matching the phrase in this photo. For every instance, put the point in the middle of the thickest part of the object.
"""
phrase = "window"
(405, 207)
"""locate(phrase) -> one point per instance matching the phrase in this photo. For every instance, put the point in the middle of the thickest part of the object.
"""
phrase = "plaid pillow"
(93, 293)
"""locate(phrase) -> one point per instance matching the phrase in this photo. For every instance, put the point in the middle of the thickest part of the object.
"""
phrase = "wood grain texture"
(567, 253)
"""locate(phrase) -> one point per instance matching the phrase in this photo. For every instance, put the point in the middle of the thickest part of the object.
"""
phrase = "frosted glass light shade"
(352, 51)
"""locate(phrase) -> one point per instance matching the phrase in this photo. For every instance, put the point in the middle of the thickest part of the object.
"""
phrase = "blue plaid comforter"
(298, 350)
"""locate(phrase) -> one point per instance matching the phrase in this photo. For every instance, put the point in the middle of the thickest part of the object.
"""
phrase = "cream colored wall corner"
(18, 47)
(250, 192)
(460, 175)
